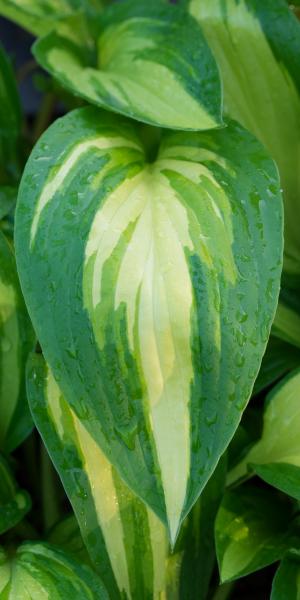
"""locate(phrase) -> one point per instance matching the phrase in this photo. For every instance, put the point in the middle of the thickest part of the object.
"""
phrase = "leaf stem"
(223, 592)
(44, 115)
(150, 137)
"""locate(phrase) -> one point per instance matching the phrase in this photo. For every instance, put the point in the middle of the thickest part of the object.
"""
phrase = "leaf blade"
(276, 458)
(250, 81)
(286, 581)
(252, 530)
(122, 67)
(17, 340)
(127, 543)
(44, 571)
(15, 503)
(189, 214)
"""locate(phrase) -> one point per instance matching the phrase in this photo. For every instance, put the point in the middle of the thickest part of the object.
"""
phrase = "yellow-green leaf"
(276, 455)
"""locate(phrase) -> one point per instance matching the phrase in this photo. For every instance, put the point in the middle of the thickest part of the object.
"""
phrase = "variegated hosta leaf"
(152, 288)
(147, 60)
(126, 541)
(39, 16)
(39, 571)
(276, 456)
(10, 120)
(16, 341)
(262, 86)
(14, 502)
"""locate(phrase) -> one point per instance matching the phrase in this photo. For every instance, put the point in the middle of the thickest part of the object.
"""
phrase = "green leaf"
(14, 502)
(253, 529)
(276, 456)
(8, 198)
(284, 476)
(16, 341)
(280, 357)
(146, 60)
(199, 548)
(10, 114)
(41, 572)
(39, 16)
(10, 120)
(248, 432)
(286, 583)
(160, 282)
(126, 541)
(66, 534)
(262, 86)
(286, 325)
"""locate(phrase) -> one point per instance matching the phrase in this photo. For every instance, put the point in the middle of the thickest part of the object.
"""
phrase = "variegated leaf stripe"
(16, 341)
(281, 415)
(39, 16)
(262, 87)
(152, 288)
(39, 571)
(148, 60)
(14, 502)
(126, 541)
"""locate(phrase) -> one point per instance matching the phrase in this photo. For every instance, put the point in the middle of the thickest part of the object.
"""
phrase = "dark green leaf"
(284, 476)
(66, 534)
(10, 121)
(8, 198)
(14, 503)
(199, 546)
(253, 530)
(286, 583)
(280, 357)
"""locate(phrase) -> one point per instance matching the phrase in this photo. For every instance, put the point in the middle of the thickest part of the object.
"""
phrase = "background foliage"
(165, 148)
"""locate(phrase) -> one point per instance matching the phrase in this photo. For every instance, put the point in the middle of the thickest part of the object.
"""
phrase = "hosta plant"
(149, 305)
